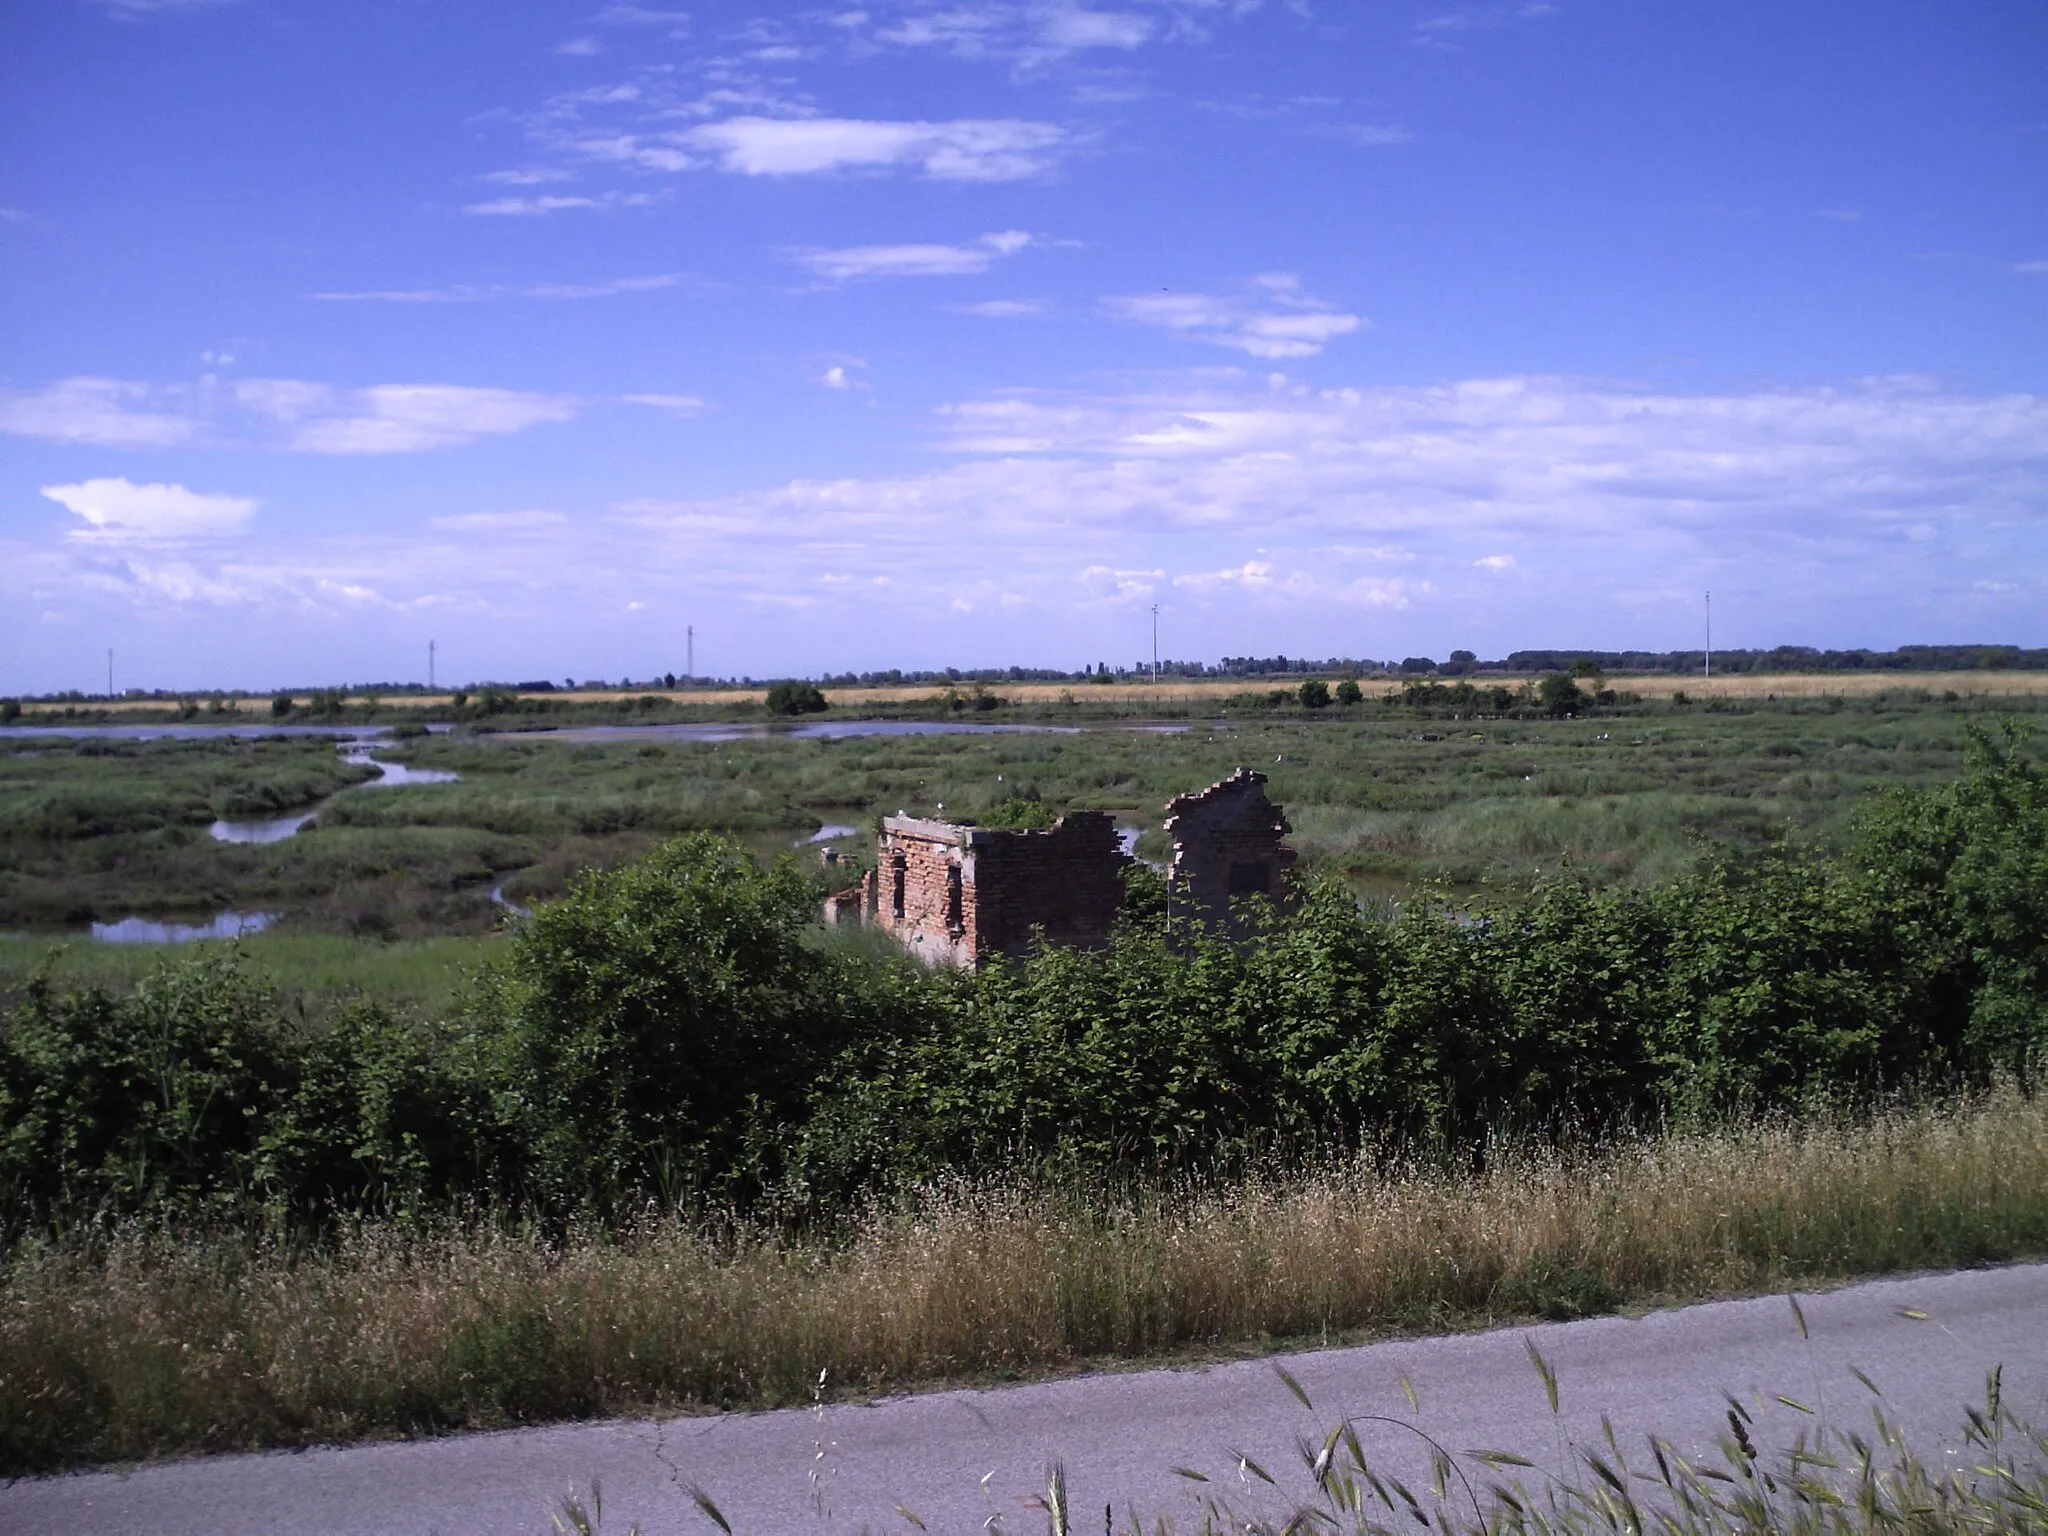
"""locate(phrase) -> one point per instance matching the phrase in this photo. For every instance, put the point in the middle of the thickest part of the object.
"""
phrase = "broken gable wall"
(1227, 846)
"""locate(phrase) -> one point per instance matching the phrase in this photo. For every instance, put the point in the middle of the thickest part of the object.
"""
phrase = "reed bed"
(132, 1341)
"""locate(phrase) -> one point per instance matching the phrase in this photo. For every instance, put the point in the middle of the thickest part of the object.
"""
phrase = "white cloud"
(1070, 27)
(2031, 268)
(12, 216)
(115, 510)
(966, 149)
(296, 415)
(580, 48)
(836, 377)
(528, 176)
(1279, 508)
(395, 418)
(477, 293)
(1495, 562)
(1280, 321)
(1363, 135)
(497, 522)
(870, 261)
(547, 203)
(674, 405)
(108, 412)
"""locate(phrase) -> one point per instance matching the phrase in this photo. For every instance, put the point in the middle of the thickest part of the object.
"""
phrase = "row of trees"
(676, 1028)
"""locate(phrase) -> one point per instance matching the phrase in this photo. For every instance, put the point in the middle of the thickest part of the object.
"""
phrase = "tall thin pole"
(1155, 645)
(689, 652)
(110, 672)
(430, 666)
(1710, 634)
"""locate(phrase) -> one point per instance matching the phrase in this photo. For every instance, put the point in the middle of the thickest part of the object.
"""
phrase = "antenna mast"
(430, 666)
(110, 674)
(690, 653)
(1155, 645)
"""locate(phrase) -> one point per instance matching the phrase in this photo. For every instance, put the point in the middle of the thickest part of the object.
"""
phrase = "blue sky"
(907, 334)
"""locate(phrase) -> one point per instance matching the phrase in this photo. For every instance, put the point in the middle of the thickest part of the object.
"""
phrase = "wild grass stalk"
(135, 1340)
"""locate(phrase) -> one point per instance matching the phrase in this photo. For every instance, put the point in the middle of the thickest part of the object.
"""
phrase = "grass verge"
(133, 1341)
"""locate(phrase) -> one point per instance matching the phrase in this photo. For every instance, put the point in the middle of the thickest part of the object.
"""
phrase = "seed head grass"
(137, 1339)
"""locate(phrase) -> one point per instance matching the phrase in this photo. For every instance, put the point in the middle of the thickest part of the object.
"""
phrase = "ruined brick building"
(957, 895)
(1226, 844)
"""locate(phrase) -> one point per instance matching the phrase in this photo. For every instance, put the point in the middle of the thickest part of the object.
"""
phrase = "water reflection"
(827, 834)
(275, 830)
(500, 899)
(392, 775)
(141, 930)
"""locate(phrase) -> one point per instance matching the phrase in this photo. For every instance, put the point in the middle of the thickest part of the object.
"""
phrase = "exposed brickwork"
(956, 895)
(1226, 845)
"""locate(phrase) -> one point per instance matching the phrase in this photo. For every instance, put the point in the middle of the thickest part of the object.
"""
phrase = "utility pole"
(1710, 635)
(1155, 645)
(110, 674)
(430, 666)
(689, 652)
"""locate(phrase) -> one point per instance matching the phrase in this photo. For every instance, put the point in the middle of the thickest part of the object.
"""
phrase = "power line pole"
(1155, 645)
(1710, 635)
(110, 674)
(430, 666)
(689, 652)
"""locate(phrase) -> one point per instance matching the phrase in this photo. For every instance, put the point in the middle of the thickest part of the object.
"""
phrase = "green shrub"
(795, 698)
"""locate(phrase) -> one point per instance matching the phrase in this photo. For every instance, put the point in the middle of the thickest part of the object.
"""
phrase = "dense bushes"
(676, 1028)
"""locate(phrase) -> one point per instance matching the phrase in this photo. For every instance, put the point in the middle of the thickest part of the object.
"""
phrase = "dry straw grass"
(135, 1343)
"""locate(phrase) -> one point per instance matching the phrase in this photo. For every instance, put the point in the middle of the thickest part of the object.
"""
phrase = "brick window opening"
(1250, 879)
(956, 924)
(899, 870)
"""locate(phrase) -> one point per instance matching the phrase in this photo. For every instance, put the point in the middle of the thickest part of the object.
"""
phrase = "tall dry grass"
(129, 1342)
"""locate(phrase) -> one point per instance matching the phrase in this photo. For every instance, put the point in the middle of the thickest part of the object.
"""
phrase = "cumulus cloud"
(1278, 320)
(1282, 507)
(868, 261)
(116, 510)
(964, 149)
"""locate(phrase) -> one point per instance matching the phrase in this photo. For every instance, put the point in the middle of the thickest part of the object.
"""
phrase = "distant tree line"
(1460, 663)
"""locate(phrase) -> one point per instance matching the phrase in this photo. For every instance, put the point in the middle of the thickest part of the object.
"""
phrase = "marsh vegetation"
(343, 1187)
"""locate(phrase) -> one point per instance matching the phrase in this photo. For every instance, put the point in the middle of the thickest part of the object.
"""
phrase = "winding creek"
(357, 745)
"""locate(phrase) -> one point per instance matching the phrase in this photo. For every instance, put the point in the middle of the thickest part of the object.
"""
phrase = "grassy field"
(144, 1341)
(318, 973)
(1386, 798)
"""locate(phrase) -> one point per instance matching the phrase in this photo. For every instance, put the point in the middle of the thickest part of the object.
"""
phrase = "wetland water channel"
(358, 743)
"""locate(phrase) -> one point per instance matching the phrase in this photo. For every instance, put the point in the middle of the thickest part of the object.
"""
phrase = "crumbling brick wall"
(956, 895)
(1226, 846)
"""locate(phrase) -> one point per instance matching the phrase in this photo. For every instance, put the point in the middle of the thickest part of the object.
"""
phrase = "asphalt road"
(957, 1458)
